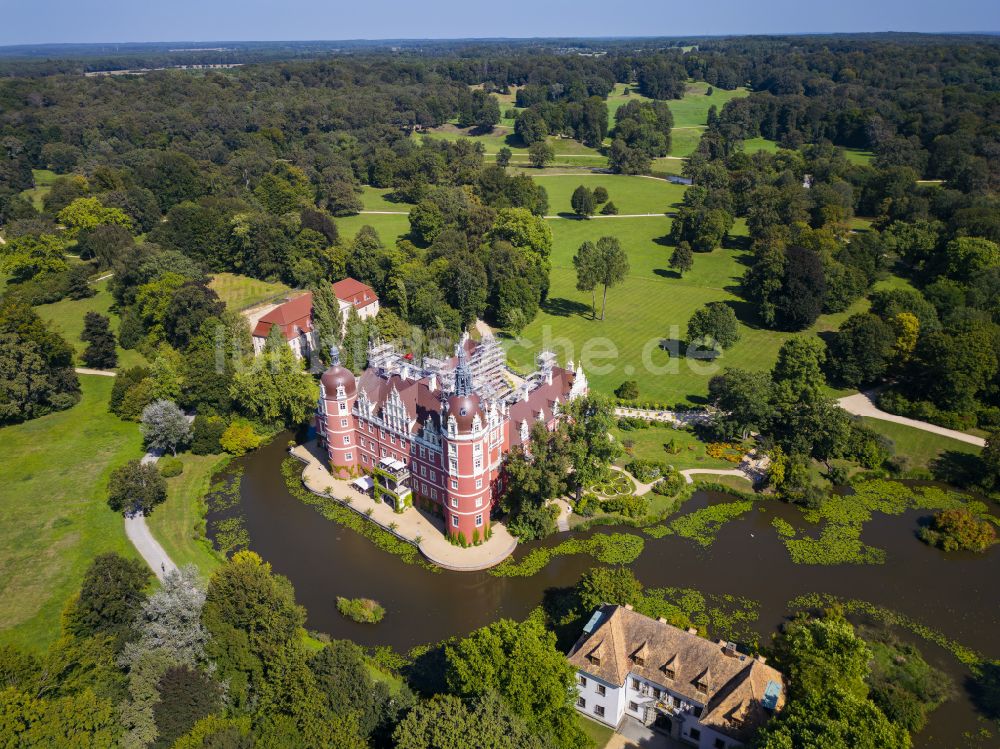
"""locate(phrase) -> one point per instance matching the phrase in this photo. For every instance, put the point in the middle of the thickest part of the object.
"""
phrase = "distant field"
(55, 516)
(854, 155)
(376, 199)
(630, 194)
(67, 316)
(693, 108)
(388, 227)
(43, 183)
(241, 292)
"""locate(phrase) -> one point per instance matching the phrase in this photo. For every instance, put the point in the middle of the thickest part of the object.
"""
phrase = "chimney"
(661, 620)
(628, 606)
(760, 659)
(692, 630)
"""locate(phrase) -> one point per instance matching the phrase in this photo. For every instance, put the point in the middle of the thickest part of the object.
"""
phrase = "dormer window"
(341, 393)
(594, 660)
(638, 660)
(701, 687)
(669, 672)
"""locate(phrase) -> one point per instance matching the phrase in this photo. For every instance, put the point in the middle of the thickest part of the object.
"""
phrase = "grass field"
(568, 151)
(389, 227)
(649, 445)
(921, 447)
(598, 733)
(630, 194)
(693, 108)
(853, 155)
(52, 504)
(178, 524)
(240, 292)
(66, 317)
(43, 183)
(376, 199)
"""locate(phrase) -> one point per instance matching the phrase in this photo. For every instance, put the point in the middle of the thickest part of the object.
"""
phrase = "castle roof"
(740, 691)
(542, 399)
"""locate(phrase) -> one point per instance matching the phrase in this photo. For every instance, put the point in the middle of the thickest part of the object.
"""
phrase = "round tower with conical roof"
(467, 427)
(335, 416)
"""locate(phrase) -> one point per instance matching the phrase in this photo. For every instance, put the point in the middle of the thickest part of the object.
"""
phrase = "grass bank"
(54, 511)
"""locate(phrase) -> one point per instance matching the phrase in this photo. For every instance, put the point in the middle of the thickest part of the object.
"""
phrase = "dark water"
(956, 594)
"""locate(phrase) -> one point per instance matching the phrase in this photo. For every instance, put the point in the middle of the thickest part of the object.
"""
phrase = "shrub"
(628, 390)
(600, 195)
(628, 423)
(609, 209)
(240, 438)
(647, 471)
(671, 483)
(958, 529)
(629, 506)
(169, 466)
(207, 434)
(363, 610)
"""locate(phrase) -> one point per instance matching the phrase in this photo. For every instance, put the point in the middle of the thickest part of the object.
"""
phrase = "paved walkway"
(861, 404)
(672, 417)
(565, 510)
(89, 371)
(411, 525)
(147, 546)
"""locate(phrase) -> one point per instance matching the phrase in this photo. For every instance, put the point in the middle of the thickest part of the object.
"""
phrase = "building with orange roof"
(704, 693)
(294, 317)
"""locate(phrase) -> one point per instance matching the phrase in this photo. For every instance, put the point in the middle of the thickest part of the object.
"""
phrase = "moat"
(955, 594)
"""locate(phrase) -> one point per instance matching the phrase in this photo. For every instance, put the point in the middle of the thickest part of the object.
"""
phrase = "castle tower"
(334, 417)
(468, 491)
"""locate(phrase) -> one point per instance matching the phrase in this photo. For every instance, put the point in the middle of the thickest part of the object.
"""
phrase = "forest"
(147, 188)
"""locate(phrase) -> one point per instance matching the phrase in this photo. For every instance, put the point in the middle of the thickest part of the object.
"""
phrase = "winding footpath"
(142, 539)
(862, 404)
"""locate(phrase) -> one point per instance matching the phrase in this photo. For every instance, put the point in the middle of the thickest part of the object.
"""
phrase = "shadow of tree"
(958, 468)
(666, 273)
(984, 689)
(561, 307)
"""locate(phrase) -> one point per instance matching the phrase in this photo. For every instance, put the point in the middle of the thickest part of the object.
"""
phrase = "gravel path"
(861, 404)
(147, 546)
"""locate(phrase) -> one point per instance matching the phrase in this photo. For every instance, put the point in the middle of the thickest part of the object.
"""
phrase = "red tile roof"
(353, 291)
(295, 316)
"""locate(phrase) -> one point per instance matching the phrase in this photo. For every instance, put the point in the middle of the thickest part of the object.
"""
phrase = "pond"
(956, 594)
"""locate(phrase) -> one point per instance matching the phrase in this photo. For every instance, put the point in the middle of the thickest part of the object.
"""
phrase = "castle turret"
(335, 418)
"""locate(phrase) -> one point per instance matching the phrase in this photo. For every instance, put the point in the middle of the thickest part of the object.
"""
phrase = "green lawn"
(617, 99)
(567, 150)
(630, 194)
(649, 445)
(651, 306)
(66, 317)
(693, 108)
(179, 523)
(376, 199)
(389, 227)
(853, 155)
(43, 183)
(598, 733)
(241, 292)
(919, 446)
(52, 504)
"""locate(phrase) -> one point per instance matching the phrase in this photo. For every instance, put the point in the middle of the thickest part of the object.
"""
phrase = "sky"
(45, 21)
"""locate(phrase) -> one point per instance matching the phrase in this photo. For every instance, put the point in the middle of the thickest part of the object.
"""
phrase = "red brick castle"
(437, 433)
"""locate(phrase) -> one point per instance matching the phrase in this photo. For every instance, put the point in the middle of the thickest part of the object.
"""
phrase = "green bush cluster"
(958, 529)
(170, 466)
(671, 483)
(648, 471)
(613, 548)
(784, 528)
(363, 610)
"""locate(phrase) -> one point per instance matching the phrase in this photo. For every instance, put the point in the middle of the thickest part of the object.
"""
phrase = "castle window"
(670, 673)
(601, 690)
(343, 407)
(454, 502)
(479, 520)
(364, 458)
(454, 521)
(454, 483)
(347, 439)
(479, 485)
(343, 422)
(639, 661)
(349, 456)
(433, 476)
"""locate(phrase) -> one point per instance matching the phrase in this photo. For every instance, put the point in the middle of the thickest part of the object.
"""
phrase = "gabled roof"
(354, 292)
(294, 317)
(736, 683)
(542, 399)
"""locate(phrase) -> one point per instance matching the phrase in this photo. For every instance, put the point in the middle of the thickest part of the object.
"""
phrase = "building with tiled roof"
(294, 317)
(436, 432)
(702, 692)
